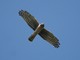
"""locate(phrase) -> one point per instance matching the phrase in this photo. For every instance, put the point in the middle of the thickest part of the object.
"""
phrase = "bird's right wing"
(29, 19)
(48, 36)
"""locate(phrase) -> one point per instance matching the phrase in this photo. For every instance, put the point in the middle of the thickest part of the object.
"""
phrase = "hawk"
(38, 29)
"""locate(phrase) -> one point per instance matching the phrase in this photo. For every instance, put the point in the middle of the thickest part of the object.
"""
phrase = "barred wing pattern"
(48, 36)
(29, 19)
(45, 34)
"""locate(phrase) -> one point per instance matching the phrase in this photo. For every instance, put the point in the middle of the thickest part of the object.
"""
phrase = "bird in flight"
(38, 29)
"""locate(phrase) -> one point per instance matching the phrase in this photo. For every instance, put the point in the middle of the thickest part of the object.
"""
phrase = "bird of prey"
(38, 29)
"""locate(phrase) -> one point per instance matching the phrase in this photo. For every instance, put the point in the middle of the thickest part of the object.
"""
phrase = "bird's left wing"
(30, 20)
(49, 37)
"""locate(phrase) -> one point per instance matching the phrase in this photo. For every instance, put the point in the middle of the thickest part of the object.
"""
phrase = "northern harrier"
(38, 29)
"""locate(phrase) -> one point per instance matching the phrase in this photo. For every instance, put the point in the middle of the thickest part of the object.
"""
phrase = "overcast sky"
(61, 17)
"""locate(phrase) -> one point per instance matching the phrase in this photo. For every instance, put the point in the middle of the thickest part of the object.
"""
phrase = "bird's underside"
(38, 29)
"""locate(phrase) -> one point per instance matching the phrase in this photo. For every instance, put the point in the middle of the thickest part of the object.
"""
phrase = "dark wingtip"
(57, 45)
(20, 12)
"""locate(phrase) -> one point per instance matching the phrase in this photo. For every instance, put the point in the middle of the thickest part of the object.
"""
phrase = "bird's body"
(39, 29)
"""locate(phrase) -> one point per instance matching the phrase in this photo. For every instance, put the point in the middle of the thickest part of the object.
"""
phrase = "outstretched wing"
(49, 37)
(30, 20)
(46, 35)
